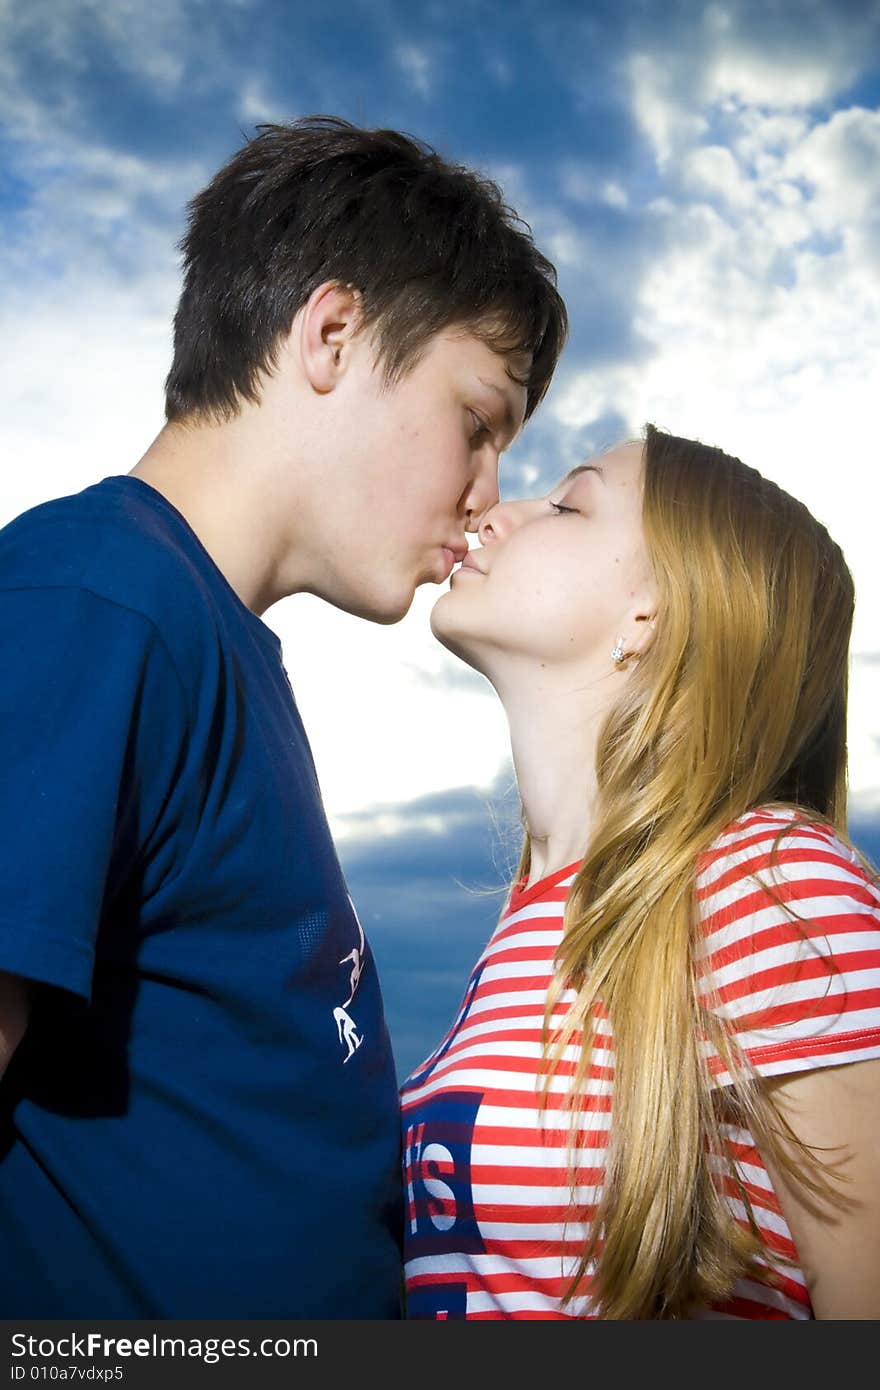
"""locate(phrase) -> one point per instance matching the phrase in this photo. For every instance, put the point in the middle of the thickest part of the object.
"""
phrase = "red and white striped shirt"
(490, 1228)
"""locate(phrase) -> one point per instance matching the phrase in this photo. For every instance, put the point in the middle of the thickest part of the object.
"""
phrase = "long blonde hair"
(740, 702)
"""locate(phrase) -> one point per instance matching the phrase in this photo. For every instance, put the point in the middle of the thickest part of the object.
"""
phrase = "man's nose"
(483, 495)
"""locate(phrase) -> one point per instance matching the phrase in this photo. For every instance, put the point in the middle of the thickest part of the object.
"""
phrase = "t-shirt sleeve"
(797, 993)
(92, 728)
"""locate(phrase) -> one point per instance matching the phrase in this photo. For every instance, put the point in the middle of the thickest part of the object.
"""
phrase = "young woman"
(661, 1095)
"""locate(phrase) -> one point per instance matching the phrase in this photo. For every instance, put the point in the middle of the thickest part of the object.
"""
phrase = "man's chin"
(390, 614)
(377, 608)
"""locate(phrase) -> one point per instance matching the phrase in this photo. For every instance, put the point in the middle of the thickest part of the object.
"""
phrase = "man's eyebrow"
(585, 468)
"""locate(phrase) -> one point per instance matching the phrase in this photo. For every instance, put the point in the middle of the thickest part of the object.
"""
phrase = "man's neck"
(208, 472)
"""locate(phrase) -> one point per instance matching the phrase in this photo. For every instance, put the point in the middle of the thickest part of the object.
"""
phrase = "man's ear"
(329, 321)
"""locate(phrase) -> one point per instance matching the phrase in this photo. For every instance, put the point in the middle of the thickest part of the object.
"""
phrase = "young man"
(200, 1118)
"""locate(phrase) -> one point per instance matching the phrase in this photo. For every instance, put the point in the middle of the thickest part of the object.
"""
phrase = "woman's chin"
(450, 636)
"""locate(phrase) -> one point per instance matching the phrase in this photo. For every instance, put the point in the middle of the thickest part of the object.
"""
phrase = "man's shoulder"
(111, 539)
(122, 545)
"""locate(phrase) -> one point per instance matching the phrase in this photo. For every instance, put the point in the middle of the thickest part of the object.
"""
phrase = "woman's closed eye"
(559, 509)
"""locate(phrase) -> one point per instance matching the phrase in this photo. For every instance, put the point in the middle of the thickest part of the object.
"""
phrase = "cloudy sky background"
(706, 178)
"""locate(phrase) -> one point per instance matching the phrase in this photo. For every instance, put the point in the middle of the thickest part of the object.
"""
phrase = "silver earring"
(617, 652)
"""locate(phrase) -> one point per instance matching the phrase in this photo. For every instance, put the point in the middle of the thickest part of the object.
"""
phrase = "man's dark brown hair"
(429, 245)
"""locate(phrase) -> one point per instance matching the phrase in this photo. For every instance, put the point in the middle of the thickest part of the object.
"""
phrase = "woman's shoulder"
(774, 854)
(774, 833)
(788, 947)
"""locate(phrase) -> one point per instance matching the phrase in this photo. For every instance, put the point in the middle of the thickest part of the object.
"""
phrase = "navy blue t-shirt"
(201, 1120)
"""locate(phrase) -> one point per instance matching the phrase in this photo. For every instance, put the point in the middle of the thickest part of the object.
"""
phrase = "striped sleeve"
(789, 949)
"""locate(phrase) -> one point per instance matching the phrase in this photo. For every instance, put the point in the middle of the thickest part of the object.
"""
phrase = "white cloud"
(82, 391)
(758, 79)
(581, 185)
(613, 194)
(398, 735)
(864, 736)
(256, 105)
(416, 66)
(761, 306)
(501, 70)
(839, 160)
(733, 60)
(762, 140)
(667, 120)
(713, 169)
(779, 58)
(161, 44)
(86, 209)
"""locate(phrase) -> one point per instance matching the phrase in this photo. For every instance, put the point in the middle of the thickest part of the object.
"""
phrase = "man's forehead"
(490, 349)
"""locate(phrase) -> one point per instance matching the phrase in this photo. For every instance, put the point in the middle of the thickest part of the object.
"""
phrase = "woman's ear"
(640, 630)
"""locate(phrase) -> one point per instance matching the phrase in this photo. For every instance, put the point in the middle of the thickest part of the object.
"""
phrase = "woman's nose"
(500, 520)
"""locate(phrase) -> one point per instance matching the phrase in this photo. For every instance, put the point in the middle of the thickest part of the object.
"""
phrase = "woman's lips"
(451, 559)
(469, 566)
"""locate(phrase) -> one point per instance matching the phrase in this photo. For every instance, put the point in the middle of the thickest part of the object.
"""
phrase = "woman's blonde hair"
(740, 702)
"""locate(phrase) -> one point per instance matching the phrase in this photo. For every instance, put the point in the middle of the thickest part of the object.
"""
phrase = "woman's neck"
(553, 733)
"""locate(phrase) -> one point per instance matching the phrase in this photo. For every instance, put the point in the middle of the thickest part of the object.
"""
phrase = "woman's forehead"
(620, 464)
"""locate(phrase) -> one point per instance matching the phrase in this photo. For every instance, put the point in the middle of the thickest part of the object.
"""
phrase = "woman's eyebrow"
(584, 468)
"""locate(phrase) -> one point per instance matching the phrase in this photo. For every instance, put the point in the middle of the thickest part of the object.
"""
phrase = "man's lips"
(448, 563)
(452, 555)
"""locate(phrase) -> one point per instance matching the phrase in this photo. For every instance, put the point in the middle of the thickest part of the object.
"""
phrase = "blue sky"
(706, 178)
